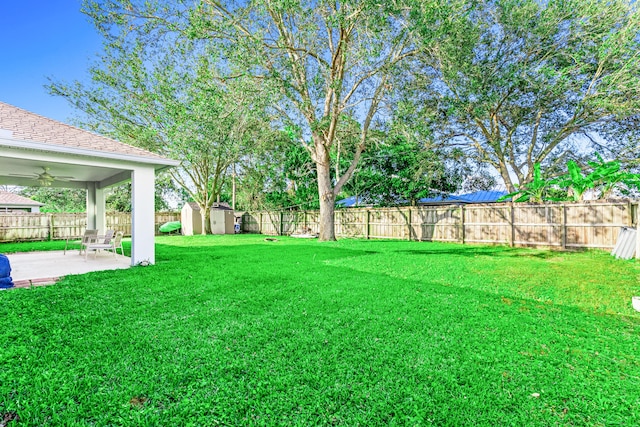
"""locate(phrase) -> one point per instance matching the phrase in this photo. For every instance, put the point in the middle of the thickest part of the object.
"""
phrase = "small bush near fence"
(54, 226)
(559, 225)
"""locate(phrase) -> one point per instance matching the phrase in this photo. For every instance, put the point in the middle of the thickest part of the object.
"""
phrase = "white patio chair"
(109, 243)
(88, 237)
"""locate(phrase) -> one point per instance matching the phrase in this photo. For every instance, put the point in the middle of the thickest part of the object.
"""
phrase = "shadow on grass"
(259, 252)
(498, 251)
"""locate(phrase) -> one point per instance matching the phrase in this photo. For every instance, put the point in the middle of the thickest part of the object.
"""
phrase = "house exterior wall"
(30, 209)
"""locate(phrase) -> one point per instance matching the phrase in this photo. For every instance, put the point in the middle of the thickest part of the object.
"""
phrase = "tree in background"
(520, 82)
(57, 199)
(504, 83)
(118, 198)
(279, 175)
(163, 93)
(401, 171)
(325, 60)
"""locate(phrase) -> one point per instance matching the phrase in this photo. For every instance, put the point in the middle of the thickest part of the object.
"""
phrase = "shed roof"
(16, 123)
(11, 199)
(223, 206)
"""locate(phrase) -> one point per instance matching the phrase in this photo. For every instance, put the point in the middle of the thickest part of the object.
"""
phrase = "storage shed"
(221, 219)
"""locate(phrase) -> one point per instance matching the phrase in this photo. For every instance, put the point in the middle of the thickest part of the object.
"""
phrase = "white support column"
(638, 231)
(143, 216)
(91, 206)
(101, 219)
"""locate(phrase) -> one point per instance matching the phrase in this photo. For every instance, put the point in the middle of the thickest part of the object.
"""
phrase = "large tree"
(327, 61)
(520, 82)
(155, 89)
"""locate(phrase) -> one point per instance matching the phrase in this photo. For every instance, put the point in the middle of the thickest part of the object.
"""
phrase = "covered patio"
(37, 151)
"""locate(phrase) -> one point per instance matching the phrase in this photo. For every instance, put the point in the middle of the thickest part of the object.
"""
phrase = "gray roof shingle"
(20, 124)
(11, 199)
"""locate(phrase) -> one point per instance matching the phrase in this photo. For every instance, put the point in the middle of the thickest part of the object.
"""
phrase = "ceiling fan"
(45, 178)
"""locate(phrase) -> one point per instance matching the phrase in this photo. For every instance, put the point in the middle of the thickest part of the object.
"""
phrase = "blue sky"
(40, 39)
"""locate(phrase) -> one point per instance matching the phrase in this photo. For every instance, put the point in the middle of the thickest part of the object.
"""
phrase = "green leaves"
(602, 178)
(524, 82)
(599, 180)
(156, 88)
(401, 171)
(536, 191)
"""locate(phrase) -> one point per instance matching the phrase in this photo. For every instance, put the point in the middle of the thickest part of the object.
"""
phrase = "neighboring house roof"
(475, 197)
(352, 202)
(16, 123)
(15, 200)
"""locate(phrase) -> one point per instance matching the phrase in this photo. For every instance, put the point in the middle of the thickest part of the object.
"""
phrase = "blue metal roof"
(475, 197)
(482, 196)
(351, 202)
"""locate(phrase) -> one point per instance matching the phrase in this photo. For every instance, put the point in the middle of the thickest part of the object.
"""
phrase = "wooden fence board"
(55, 226)
(561, 225)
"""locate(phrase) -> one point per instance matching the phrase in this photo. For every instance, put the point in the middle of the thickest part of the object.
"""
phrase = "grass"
(234, 330)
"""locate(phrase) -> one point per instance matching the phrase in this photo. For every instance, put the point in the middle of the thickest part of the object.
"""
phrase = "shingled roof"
(11, 199)
(16, 123)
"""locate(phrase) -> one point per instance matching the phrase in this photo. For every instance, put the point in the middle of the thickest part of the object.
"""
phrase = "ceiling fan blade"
(23, 176)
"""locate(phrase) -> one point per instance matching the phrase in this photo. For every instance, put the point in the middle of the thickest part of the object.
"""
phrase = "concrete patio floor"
(39, 268)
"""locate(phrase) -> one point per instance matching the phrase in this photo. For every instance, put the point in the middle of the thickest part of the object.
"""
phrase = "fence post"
(564, 227)
(462, 223)
(50, 217)
(260, 223)
(306, 227)
(512, 237)
(281, 223)
(409, 223)
(367, 225)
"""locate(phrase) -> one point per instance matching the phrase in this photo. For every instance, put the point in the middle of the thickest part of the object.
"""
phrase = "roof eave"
(160, 162)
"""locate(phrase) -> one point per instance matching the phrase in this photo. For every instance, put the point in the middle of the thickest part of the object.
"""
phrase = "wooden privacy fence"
(561, 225)
(53, 226)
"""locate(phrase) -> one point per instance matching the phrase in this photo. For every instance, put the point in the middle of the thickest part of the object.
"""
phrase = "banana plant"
(603, 179)
(535, 191)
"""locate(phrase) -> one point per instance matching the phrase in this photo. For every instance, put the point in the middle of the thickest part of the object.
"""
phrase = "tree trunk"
(325, 192)
(203, 219)
(504, 172)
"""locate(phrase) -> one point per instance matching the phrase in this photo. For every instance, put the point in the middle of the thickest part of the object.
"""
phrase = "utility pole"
(233, 188)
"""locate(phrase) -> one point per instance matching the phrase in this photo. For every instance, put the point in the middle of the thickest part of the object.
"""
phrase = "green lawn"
(234, 330)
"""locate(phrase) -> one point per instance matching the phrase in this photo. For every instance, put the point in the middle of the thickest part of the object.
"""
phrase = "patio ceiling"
(81, 174)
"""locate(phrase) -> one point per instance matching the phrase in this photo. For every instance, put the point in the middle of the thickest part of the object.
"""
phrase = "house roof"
(352, 202)
(19, 124)
(475, 197)
(11, 199)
